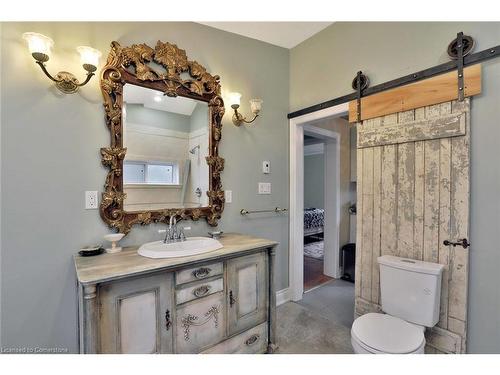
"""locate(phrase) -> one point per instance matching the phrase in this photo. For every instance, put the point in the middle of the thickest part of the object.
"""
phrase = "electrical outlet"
(229, 196)
(91, 200)
(266, 167)
(264, 188)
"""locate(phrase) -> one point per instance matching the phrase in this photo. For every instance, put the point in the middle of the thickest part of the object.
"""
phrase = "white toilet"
(410, 293)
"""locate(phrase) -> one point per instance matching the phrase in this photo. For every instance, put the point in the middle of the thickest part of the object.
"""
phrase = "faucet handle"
(182, 236)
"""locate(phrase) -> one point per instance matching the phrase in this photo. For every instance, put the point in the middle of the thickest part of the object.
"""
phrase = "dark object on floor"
(348, 254)
(313, 273)
(90, 251)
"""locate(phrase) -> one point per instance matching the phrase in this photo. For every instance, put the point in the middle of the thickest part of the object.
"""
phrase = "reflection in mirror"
(167, 140)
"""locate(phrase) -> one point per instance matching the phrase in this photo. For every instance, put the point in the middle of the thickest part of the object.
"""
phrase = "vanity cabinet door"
(135, 315)
(247, 288)
(200, 324)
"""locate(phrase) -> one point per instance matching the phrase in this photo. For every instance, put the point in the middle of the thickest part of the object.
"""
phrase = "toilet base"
(361, 349)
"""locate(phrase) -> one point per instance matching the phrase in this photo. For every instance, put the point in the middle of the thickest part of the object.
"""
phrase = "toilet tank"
(410, 289)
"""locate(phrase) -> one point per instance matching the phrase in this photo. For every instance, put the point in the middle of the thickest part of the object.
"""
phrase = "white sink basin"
(192, 246)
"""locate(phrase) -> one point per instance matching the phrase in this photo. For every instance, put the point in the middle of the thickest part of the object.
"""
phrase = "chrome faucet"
(173, 235)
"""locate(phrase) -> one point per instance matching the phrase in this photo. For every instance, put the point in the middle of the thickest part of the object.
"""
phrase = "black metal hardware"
(467, 43)
(352, 209)
(168, 322)
(252, 340)
(460, 66)
(449, 66)
(232, 300)
(358, 90)
(359, 83)
(201, 291)
(201, 272)
(463, 242)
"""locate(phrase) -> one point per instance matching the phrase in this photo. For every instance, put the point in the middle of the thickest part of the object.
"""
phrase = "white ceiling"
(283, 34)
(139, 95)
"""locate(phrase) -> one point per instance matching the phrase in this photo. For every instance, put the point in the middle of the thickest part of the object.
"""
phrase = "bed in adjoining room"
(314, 220)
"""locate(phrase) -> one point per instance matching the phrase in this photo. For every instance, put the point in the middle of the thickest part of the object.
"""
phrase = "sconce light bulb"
(39, 45)
(256, 105)
(234, 99)
(89, 57)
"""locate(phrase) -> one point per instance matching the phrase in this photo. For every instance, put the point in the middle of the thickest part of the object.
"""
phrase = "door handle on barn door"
(462, 243)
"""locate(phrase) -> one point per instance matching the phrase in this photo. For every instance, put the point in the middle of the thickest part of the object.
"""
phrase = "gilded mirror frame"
(181, 77)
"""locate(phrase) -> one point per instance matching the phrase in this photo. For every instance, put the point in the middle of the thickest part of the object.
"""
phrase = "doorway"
(321, 205)
(308, 124)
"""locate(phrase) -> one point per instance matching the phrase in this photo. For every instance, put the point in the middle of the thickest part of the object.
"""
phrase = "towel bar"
(276, 209)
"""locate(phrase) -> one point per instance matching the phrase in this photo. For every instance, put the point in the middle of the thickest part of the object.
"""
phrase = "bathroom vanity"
(222, 301)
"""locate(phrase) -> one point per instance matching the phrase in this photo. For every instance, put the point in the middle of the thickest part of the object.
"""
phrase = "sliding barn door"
(413, 194)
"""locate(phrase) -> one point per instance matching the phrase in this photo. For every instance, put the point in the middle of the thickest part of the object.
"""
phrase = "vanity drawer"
(249, 342)
(198, 273)
(199, 290)
(200, 324)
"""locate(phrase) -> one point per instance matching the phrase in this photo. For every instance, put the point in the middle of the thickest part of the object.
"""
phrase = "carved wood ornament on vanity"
(131, 65)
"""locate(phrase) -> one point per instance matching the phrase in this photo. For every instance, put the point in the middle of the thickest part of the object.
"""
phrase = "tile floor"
(319, 323)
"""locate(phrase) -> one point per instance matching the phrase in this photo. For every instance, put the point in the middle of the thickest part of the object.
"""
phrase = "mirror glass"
(167, 140)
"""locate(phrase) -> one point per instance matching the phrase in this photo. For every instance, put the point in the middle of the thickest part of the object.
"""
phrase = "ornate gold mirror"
(164, 113)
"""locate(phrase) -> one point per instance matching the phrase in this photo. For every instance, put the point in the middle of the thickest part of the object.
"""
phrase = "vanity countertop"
(106, 267)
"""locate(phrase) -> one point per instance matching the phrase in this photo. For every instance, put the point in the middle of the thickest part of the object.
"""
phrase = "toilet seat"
(383, 333)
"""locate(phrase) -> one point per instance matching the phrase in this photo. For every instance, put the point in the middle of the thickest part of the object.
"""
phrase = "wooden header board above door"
(435, 90)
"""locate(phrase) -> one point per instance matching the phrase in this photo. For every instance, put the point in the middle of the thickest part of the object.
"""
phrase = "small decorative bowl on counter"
(89, 251)
(114, 238)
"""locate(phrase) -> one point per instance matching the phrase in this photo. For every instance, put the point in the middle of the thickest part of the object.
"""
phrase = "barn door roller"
(359, 83)
(457, 50)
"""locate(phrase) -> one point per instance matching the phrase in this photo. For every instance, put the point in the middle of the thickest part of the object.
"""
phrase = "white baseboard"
(283, 296)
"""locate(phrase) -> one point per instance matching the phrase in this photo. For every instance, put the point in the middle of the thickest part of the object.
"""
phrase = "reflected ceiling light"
(238, 118)
(40, 47)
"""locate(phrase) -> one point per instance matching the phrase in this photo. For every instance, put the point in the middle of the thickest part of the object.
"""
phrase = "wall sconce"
(40, 47)
(238, 118)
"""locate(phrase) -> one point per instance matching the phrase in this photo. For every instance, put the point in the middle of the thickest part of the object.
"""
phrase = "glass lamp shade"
(234, 99)
(89, 55)
(256, 105)
(38, 43)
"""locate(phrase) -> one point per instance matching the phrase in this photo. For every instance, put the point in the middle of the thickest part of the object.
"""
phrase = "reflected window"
(137, 172)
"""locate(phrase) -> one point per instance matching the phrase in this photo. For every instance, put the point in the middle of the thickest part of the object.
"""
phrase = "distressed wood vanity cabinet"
(219, 302)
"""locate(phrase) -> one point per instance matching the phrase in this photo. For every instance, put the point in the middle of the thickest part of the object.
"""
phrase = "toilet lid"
(387, 334)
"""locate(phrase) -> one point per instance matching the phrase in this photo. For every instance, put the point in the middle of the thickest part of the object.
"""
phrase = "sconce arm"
(250, 121)
(65, 81)
(238, 118)
(44, 69)
(89, 76)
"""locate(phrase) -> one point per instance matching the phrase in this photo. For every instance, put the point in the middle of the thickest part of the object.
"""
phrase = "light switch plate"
(91, 200)
(264, 188)
(229, 196)
(266, 167)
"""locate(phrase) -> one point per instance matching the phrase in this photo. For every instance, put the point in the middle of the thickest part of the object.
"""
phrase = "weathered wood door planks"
(413, 193)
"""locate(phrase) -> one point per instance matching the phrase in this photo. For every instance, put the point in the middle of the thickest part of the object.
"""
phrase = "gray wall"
(138, 114)
(50, 155)
(314, 181)
(323, 67)
(199, 117)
